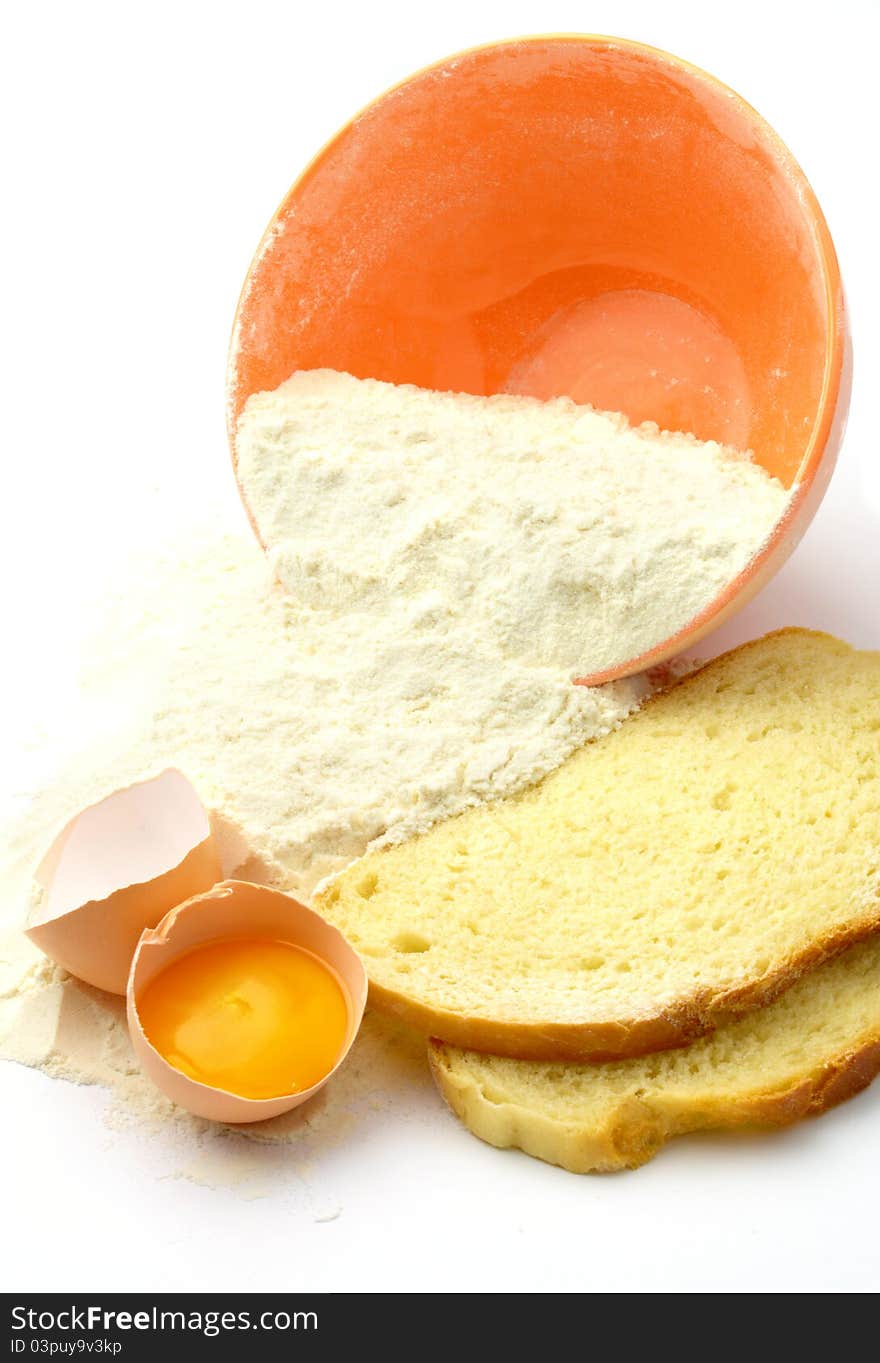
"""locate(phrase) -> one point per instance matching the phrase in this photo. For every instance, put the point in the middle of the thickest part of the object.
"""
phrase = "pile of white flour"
(306, 745)
(450, 564)
(486, 531)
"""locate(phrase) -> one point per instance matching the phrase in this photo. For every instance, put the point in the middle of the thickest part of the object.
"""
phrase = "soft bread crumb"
(681, 869)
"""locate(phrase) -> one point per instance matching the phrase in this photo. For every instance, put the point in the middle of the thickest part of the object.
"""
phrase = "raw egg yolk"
(257, 1018)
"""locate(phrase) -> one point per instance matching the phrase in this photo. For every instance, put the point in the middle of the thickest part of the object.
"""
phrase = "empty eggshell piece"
(117, 868)
(236, 908)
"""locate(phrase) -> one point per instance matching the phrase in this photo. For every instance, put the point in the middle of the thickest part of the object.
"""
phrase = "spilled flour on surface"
(203, 662)
(306, 745)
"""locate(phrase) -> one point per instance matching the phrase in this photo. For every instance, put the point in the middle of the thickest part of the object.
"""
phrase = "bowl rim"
(837, 360)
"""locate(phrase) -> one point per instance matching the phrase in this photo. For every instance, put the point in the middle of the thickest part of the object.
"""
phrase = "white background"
(145, 149)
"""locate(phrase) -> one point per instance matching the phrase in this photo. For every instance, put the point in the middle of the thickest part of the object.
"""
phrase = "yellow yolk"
(255, 1017)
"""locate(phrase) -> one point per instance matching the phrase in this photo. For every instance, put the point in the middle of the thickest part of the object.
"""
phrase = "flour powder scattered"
(307, 745)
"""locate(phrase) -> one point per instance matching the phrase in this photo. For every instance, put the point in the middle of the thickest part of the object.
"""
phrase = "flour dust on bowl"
(242, 1003)
(573, 217)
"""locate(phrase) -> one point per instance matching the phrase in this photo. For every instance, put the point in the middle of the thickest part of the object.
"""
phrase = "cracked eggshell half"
(117, 868)
(236, 908)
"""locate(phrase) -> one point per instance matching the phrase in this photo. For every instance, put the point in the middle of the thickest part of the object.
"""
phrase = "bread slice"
(684, 869)
(814, 1046)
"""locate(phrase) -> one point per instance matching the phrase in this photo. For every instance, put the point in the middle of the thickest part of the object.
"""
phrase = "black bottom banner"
(194, 1326)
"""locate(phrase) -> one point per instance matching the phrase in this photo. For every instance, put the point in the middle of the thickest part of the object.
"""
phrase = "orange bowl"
(569, 215)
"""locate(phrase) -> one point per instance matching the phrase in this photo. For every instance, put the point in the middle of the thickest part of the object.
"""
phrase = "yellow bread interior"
(684, 868)
(815, 1045)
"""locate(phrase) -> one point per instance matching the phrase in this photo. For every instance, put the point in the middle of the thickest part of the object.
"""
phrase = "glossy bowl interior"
(569, 215)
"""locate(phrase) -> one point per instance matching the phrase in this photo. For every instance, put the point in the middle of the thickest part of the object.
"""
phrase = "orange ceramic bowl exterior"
(569, 215)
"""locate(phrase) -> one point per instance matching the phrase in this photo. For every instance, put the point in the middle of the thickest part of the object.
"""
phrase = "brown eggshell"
(236, 908)
(117, 868)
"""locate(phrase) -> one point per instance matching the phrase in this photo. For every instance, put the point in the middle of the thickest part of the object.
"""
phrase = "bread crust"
(637, 1128)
